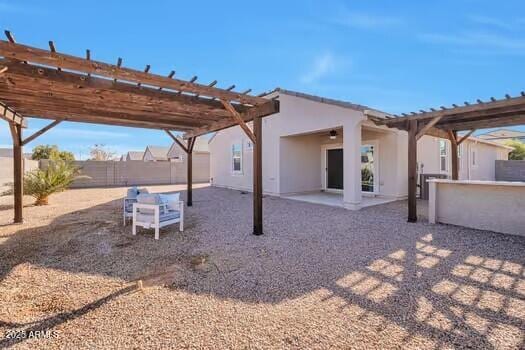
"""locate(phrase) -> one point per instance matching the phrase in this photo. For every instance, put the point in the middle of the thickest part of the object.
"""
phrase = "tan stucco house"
(328, 151)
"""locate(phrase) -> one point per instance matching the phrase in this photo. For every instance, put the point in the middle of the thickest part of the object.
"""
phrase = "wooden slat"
(40, 132)
(31, 54)
(45, 78)
(238, 118)
(520, 100)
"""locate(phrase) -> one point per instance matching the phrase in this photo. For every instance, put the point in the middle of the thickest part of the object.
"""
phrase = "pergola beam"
(55, 59)
(427, 127)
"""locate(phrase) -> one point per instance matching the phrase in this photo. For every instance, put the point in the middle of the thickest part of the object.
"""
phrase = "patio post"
(257, 178)
(453, 136)
(412, 170)
(18, 171)
(189, 180)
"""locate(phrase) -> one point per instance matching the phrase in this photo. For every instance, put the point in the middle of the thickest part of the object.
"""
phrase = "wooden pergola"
(46, 84)
(446, 123)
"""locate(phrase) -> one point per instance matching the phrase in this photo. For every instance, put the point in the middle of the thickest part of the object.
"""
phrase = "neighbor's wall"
(510, 170)
(6, 170)
(137, 172)
(494, 206)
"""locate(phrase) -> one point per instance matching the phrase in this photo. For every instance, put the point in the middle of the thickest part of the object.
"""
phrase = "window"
(237, 158)
(443, 156)
(474, 160)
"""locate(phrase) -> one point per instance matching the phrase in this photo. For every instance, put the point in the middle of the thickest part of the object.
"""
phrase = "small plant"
(57, 177)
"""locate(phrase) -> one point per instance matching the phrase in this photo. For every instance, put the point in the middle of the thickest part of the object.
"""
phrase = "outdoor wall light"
(333, 134)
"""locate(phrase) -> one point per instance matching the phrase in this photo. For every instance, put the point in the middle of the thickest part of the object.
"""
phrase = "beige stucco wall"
(494, 206)
(283, 133)
(487, 154)
(292, 157)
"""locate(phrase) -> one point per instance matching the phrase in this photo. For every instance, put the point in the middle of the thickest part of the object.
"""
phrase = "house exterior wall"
(297, 117)
(486, 155)
(294, 138)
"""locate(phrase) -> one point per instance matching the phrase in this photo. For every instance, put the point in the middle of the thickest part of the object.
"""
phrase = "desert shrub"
(57, 177)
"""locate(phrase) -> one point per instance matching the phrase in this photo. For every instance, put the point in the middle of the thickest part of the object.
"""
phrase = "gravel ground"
(320, 277)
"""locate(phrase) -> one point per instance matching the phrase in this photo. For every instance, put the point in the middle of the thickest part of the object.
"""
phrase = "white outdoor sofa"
(155, 210)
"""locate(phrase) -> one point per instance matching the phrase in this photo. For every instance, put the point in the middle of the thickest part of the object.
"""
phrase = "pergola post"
(412, 170)
(189, 179)
(453, 136)
(257, 178)
(18, 171)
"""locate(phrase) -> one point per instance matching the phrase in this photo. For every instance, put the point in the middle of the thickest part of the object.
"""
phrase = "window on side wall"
(460, 155)
(237, 158)
(474, 156)
(443, 156)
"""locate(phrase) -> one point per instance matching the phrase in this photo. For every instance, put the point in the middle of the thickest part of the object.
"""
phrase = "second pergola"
(41, 83)
(446, 123)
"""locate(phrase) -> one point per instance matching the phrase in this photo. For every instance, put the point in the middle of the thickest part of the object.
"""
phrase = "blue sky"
(397, 56)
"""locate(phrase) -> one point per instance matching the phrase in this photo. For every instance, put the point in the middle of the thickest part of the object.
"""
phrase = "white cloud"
(494, 42)
(503, 24)
(367, 21)
(322, 66)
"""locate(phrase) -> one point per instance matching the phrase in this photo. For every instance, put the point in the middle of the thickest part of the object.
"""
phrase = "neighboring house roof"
(157, 152)
(315, 98)
(503, 134)
(135, 155)
(201, 146)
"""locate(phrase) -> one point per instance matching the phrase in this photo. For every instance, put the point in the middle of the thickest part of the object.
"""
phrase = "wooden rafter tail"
(119, 64)
(212, 84)
(246, 92)
(238, 118)
(177, 141)
(191, 81)
(3, 70)
(54, 50)
(466, 136)
(172, 73)
(88, 58)
(11, 116)
(40, 132)
(146, 70)
(9, 36)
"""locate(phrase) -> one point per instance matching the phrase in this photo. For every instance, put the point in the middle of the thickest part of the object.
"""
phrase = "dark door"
(334, 168)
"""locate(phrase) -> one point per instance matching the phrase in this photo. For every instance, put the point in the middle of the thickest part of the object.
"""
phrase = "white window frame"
(236, 172)
(446, 156)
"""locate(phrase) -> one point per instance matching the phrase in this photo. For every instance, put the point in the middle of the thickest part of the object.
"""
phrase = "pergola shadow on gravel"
(458, 287)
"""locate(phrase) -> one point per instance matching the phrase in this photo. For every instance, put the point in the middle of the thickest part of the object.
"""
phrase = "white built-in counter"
(486, 205)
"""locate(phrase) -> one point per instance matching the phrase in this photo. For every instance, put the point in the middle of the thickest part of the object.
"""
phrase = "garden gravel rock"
(319, 278)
